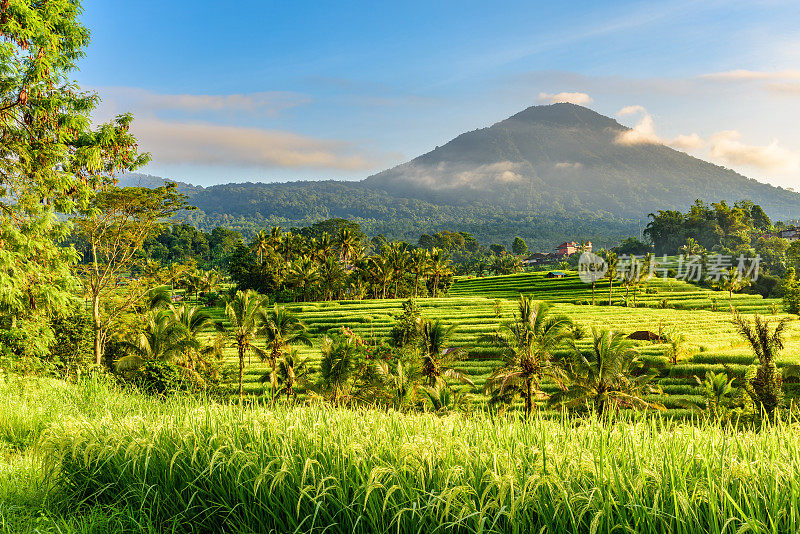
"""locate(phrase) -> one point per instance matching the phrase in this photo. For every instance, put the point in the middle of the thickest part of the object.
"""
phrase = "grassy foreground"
(90, 458)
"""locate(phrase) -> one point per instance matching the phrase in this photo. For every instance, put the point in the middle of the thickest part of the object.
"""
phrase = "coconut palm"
(331, 276)
(609, 376)
(162, 339)
(380, 268)
(261, 245)
(303, 275)
(398, 257)
(244, 312)
(194, 321)
(153, 272)
(444, 400)
(418, 265)
(438, 358)
(439, 267)
(612, 261)
(290, 371)
(281, 329)
(209, 281)
(344, 377)
(347, 242)
(529, 343)
(400, 381)
(174, 274)
(732, 280)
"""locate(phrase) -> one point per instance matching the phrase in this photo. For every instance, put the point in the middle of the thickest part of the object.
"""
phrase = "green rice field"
(711, 342)
(88, 457)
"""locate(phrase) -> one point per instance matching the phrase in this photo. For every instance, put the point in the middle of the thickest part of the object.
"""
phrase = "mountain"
(568, 158)
(548, 174)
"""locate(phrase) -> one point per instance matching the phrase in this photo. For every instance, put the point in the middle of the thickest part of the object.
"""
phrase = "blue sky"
(277, 91)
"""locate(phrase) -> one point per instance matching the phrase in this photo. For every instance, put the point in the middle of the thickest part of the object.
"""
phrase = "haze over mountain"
(548, 173)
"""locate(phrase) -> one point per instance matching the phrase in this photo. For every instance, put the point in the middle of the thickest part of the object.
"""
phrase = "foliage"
(528, 343)
(160, 378)
(610, 376)
(791, 292)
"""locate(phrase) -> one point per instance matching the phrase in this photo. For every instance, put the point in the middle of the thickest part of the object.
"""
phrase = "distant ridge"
(548, 173)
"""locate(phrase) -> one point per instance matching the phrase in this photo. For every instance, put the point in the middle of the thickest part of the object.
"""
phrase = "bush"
(160, 378)
(72, 349)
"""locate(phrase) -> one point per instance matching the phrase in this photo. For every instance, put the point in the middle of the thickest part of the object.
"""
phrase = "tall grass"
(194, 466)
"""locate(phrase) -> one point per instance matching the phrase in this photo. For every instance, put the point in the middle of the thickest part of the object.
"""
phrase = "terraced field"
(658, 292)
(711, 339)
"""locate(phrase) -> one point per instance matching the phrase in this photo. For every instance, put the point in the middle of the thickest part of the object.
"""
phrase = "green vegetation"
(124, 462)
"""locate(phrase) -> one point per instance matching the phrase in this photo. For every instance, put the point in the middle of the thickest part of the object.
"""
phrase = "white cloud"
(688, 142)
(644, 132)
(753, 75)
(727, 147)
(211, 144)
(581, 99)
(569, 165)
(144, 102)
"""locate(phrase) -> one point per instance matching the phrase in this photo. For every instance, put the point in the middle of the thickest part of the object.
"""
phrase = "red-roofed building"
(568, 249)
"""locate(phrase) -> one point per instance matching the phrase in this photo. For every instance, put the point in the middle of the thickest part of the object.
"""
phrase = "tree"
(161, 340)
(608, 376)
(419, 265)
(289, 371)
(791, 291)
(261, 245)
(114, 227)
(765, 388)
(519, 247)
(281, 329)
(49, 159)
(529, 343)
(348, 242)
(244, 312)
(195, 321)
(732, 280)
(611, 272)
(437, 358)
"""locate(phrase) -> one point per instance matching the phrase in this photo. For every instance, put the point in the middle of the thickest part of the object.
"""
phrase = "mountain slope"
(566, 158)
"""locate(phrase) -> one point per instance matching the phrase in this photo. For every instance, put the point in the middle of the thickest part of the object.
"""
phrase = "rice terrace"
(556, 322)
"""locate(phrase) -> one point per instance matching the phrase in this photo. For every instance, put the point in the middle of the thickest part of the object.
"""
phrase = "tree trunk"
(610, 286)
(593, 293)
(241, 371)
(98, 330)
(528, 398)
(416, 284)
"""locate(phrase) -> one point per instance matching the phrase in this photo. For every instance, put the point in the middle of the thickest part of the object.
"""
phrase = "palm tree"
(209, 281)
(402, 382)
(281, 328)
(347, 243)
(445, 400)
(244, 313)
(731, 281)
(381, 270)
(692, 248)
(162, 339)
(289, 371)
(439, 267)
(765, 388)
(437, 358)
(418, 266)
(343, 376)
(261, 245)
(398, 257)
(303, 275)
(324, 245)
(529, 343)
(194, 321)
(175, 273)
(611, 271)
(609, 376)
(332, 276)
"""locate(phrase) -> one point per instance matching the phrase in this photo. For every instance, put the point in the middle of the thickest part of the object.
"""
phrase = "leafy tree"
(244, 312)
(609, 376)
(162, 339)
(50, 160)
(791, 291)
(345, 376)
(115, 226)
(529, 343)
(401, 381)
(519, 247)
